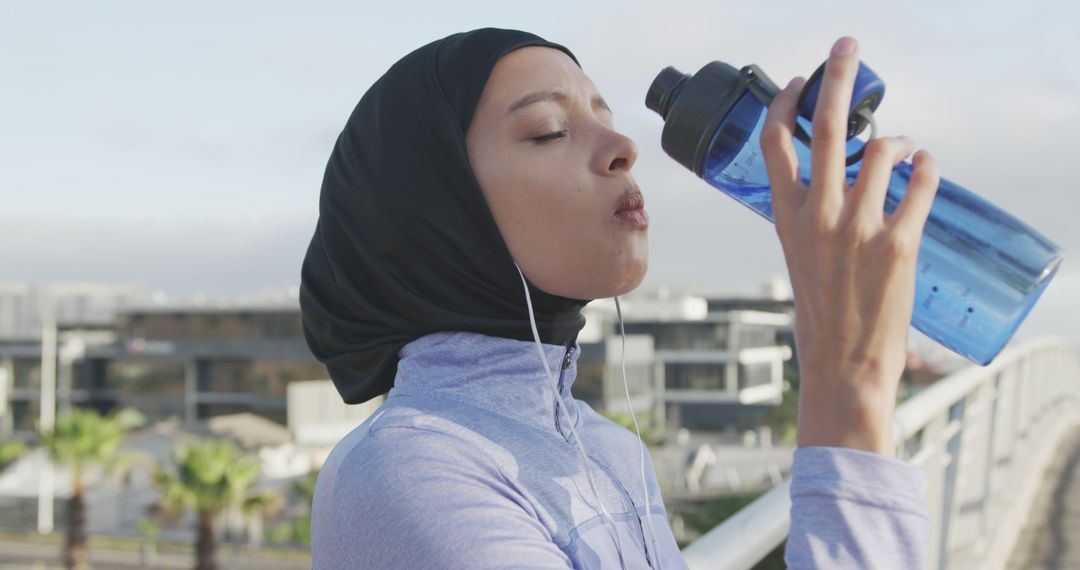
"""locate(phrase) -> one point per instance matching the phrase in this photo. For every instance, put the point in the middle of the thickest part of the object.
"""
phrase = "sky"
(182, 144)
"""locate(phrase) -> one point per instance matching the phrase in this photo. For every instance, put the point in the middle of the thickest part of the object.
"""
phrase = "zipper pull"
(567, 357)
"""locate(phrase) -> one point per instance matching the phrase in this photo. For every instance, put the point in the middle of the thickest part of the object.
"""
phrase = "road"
(33, 556)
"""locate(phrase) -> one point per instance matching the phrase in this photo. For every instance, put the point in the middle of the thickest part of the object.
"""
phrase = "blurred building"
(318, 418)
(24, 306)
(188, 362)
(695, 362)
(692, 361)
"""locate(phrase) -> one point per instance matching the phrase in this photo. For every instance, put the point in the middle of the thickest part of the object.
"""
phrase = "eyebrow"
(557, 96)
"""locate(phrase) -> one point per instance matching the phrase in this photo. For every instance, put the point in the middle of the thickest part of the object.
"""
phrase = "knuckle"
(929, 165)
(926, 175)
(924, 156)
(823, 230)
(920, 184)
(829, 126)
(858, 229)
(772, 136)
(878, 148)
(925, 159)
(837, 68)
(900, 245)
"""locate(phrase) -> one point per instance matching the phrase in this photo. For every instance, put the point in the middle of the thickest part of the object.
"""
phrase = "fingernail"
(844, 46)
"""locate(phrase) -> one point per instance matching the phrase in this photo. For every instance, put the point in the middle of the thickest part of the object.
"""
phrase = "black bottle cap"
(664, 89)
(693, 108)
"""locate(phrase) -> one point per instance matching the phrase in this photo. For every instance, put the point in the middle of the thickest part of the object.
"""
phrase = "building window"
(694, 376)
(756, 374)
(27, 373)
(755, 336)
(156, 388)
(227, 376)
(684, 335)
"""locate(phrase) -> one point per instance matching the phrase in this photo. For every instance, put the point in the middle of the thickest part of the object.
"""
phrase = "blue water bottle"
(979, 269)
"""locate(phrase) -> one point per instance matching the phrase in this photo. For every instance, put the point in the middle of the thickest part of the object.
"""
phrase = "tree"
(207, 479)
(298, 531)
(305, 489)
(10, 451)
(83, 440)
(783, 418)
(150, 530)
(650, 435)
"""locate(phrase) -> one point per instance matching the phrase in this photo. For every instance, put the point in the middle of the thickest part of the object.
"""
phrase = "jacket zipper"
(567, 359)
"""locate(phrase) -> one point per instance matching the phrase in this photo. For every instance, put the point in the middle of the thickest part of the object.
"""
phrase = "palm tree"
(10, 450)
(209, 478)
(82, 440)
(304, 488)
(298, 531)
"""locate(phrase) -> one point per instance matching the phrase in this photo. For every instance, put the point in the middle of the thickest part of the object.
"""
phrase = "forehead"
(535, 68)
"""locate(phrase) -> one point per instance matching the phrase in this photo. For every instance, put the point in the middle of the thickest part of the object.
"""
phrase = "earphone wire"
(562, 405)
(641, 444)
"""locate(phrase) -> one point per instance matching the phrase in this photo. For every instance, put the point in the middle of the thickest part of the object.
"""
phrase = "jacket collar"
(501, 375)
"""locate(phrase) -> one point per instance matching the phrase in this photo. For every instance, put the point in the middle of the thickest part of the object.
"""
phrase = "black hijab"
(405, 244)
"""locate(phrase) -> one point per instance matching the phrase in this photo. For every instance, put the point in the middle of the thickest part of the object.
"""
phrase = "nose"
(619, 155)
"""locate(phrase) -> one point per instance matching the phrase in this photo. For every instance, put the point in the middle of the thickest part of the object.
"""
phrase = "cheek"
(564, 207)
(540, 197)
(556, 219)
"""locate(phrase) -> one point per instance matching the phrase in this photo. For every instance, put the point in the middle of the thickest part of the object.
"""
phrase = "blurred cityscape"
(712, 380)
(182, 145)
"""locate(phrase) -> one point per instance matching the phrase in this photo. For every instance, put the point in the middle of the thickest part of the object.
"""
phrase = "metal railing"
(983, 435)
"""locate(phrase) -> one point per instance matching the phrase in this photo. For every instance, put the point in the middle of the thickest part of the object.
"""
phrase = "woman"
(477, 198)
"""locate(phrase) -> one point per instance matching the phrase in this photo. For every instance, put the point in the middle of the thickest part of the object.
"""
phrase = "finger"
(781, 162)
(910, 216)
(828, 149)
(880, 156)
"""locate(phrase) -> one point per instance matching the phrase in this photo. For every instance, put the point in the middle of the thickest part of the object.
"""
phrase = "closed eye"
(542, 139)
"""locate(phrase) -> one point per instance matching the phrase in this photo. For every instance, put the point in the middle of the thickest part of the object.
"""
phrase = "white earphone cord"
(581, 449)
(555, 389)
(641, 444)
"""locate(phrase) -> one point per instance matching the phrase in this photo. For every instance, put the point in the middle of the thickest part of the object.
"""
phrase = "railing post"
(990, 462)
(982, 435)
(934, 462)
(951, 441)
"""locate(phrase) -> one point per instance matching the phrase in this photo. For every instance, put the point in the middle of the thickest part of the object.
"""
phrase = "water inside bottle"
(979, 269)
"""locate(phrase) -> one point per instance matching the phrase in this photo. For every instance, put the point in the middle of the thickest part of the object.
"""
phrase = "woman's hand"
(852, 267)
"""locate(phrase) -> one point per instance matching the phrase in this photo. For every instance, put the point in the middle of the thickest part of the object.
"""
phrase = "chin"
(631, 274)
(597, 277)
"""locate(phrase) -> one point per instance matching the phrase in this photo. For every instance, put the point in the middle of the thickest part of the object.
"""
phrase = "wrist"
(851, 418)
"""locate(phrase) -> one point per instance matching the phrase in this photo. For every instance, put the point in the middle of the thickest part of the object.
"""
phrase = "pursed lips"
(631, 208)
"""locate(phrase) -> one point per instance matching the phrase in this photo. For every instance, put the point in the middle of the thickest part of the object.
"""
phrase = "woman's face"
(556, 176)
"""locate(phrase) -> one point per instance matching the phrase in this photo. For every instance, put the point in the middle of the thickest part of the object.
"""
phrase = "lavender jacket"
(466, 465)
